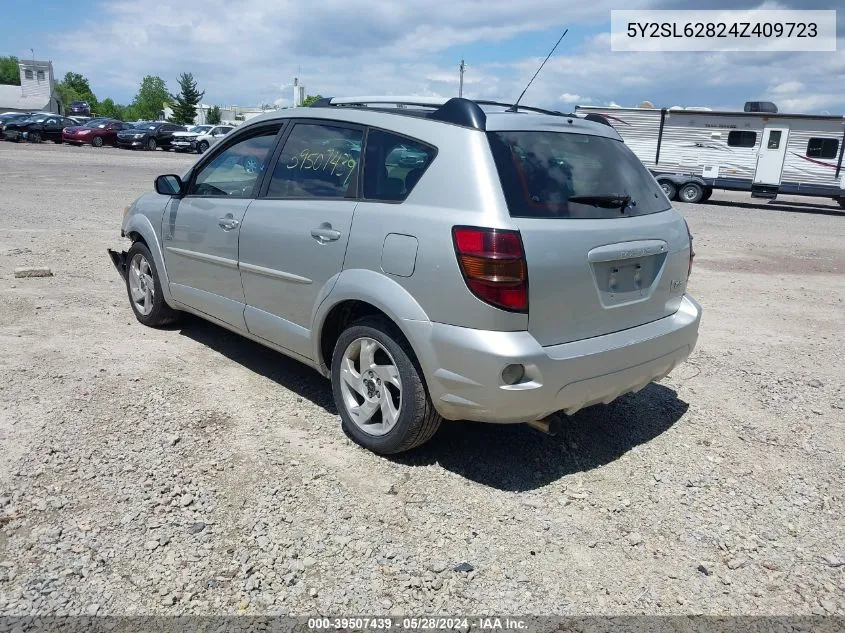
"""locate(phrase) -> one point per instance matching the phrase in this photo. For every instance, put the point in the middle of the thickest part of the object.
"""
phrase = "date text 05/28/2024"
(418, 624)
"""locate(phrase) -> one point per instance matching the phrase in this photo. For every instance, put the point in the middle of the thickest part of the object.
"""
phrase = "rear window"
(541, 171)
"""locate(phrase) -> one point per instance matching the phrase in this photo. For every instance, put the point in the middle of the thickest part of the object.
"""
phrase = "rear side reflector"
(493, 265)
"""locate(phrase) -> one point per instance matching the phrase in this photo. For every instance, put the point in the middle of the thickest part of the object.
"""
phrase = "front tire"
(379, 390)
(202, 147)
(691, 193)
(152, 145)
(35, 137)
(144, 288)
(97, 141)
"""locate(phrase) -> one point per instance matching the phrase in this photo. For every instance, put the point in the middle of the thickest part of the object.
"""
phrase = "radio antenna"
(513, 108)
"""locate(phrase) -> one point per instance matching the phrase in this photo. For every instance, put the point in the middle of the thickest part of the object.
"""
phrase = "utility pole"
(462, 68)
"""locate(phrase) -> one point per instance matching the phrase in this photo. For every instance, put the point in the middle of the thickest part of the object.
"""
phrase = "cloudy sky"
(247, 52)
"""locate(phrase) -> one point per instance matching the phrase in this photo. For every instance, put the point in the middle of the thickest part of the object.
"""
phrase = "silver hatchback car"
(448, 259)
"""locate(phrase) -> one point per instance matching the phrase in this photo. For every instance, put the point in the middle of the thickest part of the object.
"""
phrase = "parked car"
(406, 157)
(204, 141)
(37, 128)
(10, 117)
(81, 108)
(149, 135)
(418, 306)
(187, 141)
(96, 132)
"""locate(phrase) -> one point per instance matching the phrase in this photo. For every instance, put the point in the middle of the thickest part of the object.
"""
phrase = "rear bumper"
(463, 367)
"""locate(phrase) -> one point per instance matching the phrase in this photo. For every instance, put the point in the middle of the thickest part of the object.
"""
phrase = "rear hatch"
(604, 249)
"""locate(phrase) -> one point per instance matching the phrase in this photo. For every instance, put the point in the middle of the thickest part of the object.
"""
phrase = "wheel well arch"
(338, 318)
(679, 180)
(134, 236)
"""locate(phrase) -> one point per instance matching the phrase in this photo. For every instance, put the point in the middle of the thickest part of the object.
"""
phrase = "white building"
(230, 114)
(37, 92)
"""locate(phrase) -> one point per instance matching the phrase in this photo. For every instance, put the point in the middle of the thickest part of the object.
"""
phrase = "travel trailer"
(692, 151)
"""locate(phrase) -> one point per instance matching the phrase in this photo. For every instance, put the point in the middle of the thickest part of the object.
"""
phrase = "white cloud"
(568, 97)
(248, 53)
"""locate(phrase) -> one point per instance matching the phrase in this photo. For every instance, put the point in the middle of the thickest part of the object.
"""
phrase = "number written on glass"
(336, 163)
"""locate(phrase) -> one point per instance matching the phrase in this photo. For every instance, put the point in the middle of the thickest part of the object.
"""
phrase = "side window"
(823, 147)
(318, 161)
(742, 138)
(393, 165)
(233, 171)
(774, 139)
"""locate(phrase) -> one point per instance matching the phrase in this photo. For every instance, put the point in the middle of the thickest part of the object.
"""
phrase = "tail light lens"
(493, 265)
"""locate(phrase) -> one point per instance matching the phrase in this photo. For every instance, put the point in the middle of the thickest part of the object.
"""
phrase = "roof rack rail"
(456, 110)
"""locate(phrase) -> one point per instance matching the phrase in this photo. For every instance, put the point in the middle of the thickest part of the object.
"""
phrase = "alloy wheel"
(141, 284)
(371, 386)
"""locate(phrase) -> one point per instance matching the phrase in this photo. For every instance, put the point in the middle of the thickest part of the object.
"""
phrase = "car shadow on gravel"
(511, 457)
(779, 205)
(517, 458)
(288, 373)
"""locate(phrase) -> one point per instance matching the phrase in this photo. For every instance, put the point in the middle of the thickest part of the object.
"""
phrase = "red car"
(96, 132)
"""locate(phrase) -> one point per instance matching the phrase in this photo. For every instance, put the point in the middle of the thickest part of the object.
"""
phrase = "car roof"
(398, 113)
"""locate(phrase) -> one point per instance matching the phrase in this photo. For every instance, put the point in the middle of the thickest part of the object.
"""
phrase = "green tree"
(67, 94)
(152, 96)
(10, 73)
(185, 103)
(108, 108)
(213, 117)
(75, 87)
(310, 99)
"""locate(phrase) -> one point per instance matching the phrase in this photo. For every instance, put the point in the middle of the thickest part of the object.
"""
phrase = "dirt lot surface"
(186, 470)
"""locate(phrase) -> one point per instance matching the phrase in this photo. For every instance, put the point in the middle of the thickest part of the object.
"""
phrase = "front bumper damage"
(118, 258)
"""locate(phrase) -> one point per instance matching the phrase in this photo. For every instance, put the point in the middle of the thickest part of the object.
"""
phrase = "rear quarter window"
(394, 165)
(540, 171)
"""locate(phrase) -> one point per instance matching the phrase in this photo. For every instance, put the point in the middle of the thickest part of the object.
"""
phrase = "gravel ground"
(186, 470)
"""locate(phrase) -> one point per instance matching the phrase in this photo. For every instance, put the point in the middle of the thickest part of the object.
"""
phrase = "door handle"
(325, 233)
(228, 223)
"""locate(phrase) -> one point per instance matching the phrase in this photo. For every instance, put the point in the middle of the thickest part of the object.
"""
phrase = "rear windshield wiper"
(607, 201)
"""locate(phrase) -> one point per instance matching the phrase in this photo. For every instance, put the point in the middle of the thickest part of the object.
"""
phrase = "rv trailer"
(693, 151)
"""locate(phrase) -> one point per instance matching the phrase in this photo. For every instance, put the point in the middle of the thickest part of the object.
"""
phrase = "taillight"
(691, 252)
(493, 264)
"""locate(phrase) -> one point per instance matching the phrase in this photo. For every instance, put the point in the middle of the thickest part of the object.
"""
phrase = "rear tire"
(669, 188)
(360, 386)
(841, 202)
(97, 141)
(691, 193)
(144, 288)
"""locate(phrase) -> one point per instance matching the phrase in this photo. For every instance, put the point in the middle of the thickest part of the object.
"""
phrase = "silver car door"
(200, 231)
(293, 239)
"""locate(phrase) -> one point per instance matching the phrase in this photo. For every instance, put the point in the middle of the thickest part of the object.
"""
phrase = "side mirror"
(169, 185)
